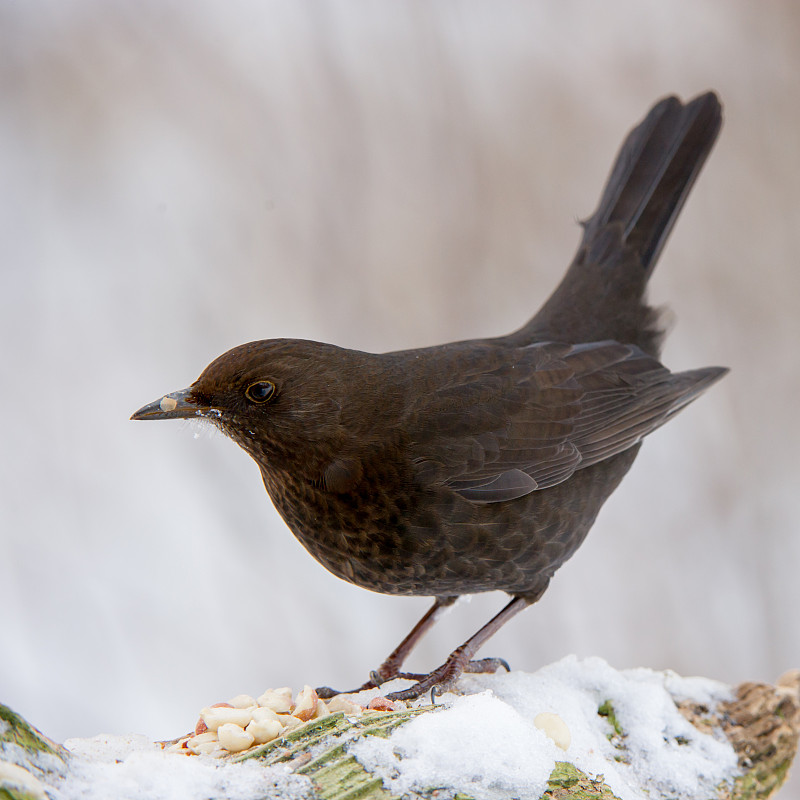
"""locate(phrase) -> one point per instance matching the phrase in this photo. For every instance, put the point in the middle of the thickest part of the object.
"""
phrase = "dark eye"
(260, 392)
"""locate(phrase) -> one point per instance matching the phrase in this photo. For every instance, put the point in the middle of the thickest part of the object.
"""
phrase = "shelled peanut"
(246, 721)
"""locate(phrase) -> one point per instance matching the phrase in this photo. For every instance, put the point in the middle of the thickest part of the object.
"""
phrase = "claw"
(376, 678)
(487, 665)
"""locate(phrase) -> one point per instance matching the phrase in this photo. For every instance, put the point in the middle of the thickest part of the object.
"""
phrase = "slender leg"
(391, 666)
(460, 659)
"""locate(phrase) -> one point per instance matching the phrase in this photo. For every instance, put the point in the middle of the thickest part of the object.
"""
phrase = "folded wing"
(528, 419)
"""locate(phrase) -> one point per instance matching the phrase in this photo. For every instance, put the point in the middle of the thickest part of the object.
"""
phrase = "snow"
(487, 746)
(132, 768)
(484, 743)
(480, 746)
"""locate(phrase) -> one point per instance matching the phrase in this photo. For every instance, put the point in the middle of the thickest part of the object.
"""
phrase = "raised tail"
(602, 294)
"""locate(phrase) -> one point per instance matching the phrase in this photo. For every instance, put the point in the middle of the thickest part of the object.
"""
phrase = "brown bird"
(476, 465)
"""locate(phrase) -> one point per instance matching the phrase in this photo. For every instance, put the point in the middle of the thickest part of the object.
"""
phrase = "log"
(761, 722)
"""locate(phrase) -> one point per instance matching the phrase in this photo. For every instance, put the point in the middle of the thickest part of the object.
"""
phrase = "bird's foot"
(380, 676)
(445, 677)
(438, 681)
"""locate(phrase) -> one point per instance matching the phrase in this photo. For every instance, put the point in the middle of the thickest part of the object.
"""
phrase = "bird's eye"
(260, 392)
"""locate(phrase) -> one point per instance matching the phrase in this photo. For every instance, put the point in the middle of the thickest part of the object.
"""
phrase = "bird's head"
(275, 398)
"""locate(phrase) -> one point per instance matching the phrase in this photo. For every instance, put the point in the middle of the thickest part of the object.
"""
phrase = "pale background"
(177, 178)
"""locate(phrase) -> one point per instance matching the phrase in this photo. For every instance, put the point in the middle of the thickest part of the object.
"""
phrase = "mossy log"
(762, 723)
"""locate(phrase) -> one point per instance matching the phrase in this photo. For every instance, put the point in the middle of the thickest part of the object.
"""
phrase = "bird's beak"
(176, 405)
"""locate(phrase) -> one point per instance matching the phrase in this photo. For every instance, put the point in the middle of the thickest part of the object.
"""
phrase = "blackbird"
(476, 465)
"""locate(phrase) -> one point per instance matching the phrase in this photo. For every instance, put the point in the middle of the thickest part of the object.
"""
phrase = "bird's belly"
(436, 543)
(458, 548)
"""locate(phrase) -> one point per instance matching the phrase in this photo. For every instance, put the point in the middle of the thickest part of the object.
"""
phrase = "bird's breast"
(361, 535)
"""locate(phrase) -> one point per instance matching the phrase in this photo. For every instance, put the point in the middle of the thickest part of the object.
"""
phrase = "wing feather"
(525, 419)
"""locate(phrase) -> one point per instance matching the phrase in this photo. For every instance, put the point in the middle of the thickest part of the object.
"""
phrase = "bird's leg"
(460, 660)
(391, 666)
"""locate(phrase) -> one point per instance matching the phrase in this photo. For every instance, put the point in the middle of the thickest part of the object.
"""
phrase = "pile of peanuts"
(245, 721)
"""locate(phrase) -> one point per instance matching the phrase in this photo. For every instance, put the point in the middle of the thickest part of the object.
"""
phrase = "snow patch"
(131, 768)
(480, 745)
(487, 746)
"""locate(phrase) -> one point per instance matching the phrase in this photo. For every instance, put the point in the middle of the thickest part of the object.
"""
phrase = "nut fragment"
(339, 703)
(384, 704)
(243, 701)
(264, 731)
(168, 403)
(234, 738)
(210, 749)
(554, 727)
(279, 700)
(194, 743)
(306, 704)
(288, 721)
(321, 710)
(263, 714)
(201, 726)
(214, 717)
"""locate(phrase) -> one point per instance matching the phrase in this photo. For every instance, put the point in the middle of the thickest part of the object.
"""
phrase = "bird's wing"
(527, 419)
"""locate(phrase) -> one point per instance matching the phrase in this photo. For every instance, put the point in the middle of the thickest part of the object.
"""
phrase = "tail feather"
(654, 173)
(602, 295)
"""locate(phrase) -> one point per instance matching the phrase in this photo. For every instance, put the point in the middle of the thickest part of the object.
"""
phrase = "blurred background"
(178, 178)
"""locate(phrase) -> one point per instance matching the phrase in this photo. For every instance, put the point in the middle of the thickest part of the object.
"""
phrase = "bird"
(477, 465)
